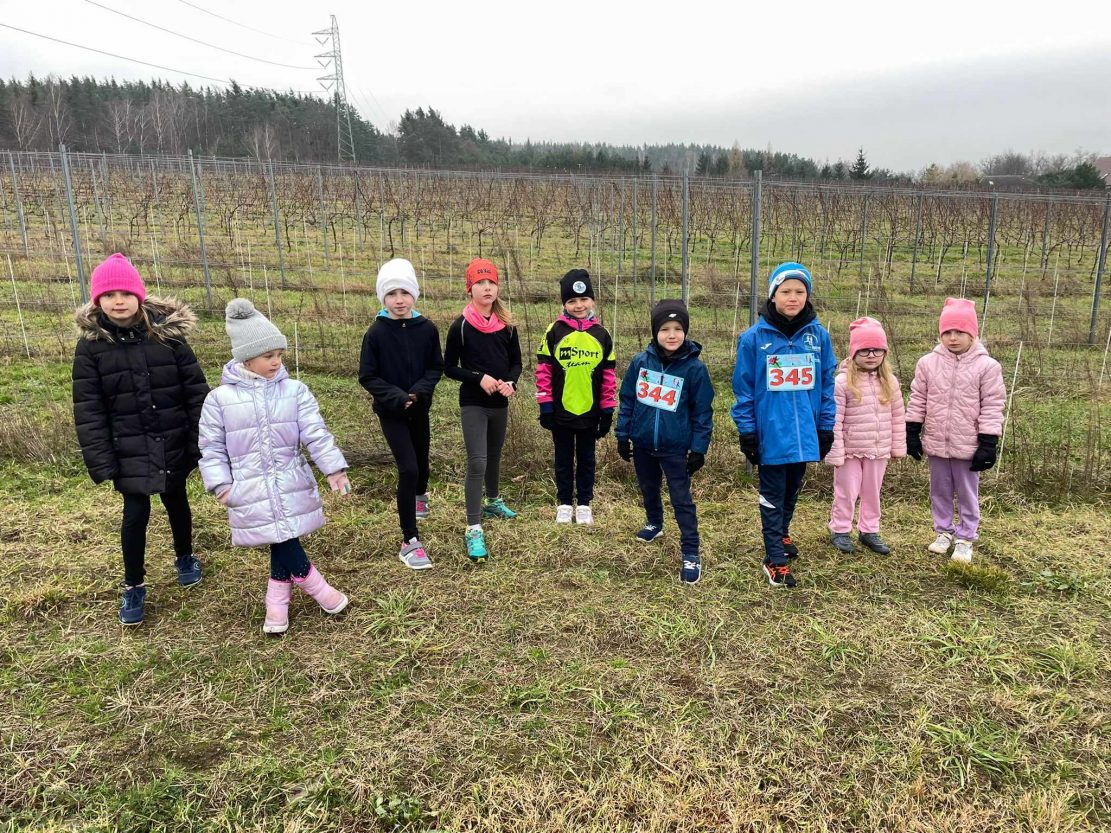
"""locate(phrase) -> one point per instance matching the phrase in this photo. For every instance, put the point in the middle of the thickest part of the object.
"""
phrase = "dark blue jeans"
(779, 492)
(651, 469)
(288, 559)
(575, 462)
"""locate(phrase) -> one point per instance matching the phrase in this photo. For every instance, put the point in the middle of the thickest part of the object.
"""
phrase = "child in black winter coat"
(137, 397)
(399, 366)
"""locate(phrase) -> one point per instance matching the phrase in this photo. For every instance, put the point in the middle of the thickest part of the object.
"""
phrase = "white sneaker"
(962, 551)
(584, 515)
(564, 513)
(941, 544)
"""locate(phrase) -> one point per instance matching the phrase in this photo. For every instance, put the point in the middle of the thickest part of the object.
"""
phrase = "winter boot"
(278, 594)
(330, 599)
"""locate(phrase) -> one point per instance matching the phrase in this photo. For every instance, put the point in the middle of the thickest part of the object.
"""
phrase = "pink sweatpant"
(861, 478)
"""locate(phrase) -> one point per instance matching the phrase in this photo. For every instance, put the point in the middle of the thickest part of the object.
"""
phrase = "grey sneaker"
(423, 507)
(842, 541)
(941, 543)
(413, 556)
(874, 542)
(962, 552)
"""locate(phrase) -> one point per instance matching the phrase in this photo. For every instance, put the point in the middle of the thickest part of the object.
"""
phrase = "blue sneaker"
(131, 605)
(691, 571)
(650, 533)
(188, 570)
(476, 546)
(496, 508)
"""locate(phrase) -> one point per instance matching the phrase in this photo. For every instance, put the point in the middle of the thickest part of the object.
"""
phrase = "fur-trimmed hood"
(170, 320)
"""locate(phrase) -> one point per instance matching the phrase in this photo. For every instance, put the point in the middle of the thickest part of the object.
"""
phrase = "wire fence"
(306, 241)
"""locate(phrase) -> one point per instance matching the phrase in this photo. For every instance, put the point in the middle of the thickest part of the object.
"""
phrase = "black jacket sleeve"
(385, 395)
(91, 417)
(453, 356)
(195, 387)
(514, 357)
(434, 367)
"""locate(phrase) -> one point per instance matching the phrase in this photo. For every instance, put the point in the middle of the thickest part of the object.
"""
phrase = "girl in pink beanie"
(955, 417)
(870, 429)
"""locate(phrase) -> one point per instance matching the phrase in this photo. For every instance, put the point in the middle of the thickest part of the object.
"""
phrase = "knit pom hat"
(397, 274)
(575, 284)
(787, 271)
(251, 333)
(864, 333)
(959, 314)
(480, 269)
(670, 310)
(116, 274)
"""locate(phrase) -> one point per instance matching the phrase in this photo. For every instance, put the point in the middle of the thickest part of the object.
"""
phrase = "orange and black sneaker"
(779, 575)
(789, 548)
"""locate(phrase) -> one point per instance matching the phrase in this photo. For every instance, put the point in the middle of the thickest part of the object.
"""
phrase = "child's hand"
(489, 384)
(339, 482)
(506, 389)
(409, 402)
(223, 494)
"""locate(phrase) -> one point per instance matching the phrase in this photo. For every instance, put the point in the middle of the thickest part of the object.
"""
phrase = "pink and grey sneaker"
(423, 506)
(330, 599)
(413, 556)
(278, 594)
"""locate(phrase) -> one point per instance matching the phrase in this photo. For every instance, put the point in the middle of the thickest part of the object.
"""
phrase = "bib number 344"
(659, 390)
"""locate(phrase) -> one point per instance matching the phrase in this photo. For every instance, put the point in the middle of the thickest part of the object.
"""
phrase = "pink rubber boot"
(326, 596)
(277, 606)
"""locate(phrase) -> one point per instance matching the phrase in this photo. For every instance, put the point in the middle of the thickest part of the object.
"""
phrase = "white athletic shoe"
(962, 551)
(941, 544)
(584, 515)
(564, 513)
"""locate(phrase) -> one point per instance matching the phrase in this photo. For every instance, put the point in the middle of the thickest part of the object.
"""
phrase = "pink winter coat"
(867, 428)
(251, 434)
(957, 397)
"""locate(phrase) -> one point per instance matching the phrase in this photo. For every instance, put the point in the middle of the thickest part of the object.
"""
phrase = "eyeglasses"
(871, 351)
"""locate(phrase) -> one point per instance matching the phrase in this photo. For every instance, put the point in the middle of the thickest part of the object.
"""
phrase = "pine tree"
(859, 170)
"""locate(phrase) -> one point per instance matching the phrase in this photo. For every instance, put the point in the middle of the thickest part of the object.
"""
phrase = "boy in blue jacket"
(664, 426)
(785, 409)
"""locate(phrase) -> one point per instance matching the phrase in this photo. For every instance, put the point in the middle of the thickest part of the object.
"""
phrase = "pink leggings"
(857, 477)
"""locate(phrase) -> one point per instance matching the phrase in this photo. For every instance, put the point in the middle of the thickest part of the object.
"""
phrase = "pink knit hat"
(864, 333)
(959, 314)
(117, 274)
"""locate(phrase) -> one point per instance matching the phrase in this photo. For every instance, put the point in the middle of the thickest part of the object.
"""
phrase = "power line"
(243, 25)
(114, 55)
(194, 40)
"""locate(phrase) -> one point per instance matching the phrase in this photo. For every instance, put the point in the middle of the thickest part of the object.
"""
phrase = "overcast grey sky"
(912, 84)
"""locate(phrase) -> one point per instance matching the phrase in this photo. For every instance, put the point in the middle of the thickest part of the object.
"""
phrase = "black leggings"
(574, 465)
(133, 530)
(408, 437)
(288, 559)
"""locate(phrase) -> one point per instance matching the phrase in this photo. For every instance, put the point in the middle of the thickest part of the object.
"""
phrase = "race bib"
(791, 372)
(659, 390)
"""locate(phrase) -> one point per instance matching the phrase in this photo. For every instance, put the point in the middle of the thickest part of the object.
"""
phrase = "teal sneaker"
(496, 508)
(476, 546)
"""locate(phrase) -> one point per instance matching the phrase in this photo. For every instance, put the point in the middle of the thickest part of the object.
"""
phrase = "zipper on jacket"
(795, 407)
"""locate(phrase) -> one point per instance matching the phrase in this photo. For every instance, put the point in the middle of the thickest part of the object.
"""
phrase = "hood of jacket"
(170, 319)
(385, 313)
(785, 325)
(688, 349)
(236, 373)
(578, 323)
(977, 349)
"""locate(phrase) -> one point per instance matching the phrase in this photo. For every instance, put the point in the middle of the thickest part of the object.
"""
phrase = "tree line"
(157, 117)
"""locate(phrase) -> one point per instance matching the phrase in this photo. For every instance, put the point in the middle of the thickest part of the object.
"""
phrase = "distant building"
(1103, 165)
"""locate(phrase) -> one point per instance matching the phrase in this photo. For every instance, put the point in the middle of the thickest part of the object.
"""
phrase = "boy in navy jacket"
(785, 411)
(664, 426)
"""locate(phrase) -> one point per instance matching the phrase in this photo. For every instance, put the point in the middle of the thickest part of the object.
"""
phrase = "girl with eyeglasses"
(870, 429)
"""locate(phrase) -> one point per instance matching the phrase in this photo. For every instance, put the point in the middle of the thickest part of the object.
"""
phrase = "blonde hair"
(502, 312)
(888, 386)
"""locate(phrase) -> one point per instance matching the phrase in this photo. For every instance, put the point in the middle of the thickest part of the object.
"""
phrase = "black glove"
(914, 440)
(750, 447)
(695, 461)
(825, 443)
(985, 455)
(547, 420)
(625, 450)
(605, 421)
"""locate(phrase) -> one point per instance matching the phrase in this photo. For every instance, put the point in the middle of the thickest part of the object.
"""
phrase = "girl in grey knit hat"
(251, 433)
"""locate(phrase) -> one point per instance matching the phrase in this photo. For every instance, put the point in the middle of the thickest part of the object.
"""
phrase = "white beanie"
(250, 331)
(397, 274)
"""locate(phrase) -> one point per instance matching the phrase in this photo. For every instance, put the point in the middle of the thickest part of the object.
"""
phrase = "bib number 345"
(792, 372)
